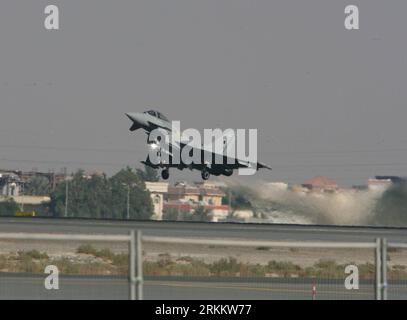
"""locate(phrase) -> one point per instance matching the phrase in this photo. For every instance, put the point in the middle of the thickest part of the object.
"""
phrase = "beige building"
(379, 184)
(321, 184)
(201, 192)
(10, 184)
(187, 198)
(31, 200)
(157, 191)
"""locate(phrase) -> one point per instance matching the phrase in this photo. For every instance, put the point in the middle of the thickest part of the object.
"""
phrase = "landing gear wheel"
(165, 174)
(205, 174)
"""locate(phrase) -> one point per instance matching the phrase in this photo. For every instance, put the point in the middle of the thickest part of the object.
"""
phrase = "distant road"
(204, 230)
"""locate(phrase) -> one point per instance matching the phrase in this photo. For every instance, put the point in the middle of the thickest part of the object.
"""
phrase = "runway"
(204, 230)
(22, 287)
(85, 287)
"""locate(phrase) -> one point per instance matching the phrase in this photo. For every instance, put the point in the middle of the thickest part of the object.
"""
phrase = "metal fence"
(136, 243)
(134, 251)
(377, 248)
(393, 282)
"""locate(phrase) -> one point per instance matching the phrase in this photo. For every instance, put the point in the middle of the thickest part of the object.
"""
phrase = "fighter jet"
(151, 120)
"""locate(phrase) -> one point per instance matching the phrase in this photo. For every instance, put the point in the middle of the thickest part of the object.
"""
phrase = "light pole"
(230, 203)
(66, 194)
(128, 202)
(22, 196)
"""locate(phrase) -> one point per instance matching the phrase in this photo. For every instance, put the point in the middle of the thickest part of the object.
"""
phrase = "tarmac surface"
(205, 230)
(23, 286)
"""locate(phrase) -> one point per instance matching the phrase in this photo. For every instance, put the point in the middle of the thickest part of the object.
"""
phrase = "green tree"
(8, 208)
(37, 186)
(148, 174)
(171, 214)
(390, 209)
(100, 197)
(121, 183)
(201, 214)
(87, 197)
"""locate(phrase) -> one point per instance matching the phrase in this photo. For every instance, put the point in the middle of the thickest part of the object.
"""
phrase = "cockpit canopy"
(156, 114)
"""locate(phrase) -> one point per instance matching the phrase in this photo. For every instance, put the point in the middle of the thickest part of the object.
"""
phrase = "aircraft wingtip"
(262, 165)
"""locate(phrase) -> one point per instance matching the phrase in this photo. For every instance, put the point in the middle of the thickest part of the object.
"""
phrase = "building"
(203, 192)
(321, 184)
(383, 182)
(394, 179)
(53, 178)
(277, 186)
(157, 192)
(10, 184)
(12, 188)
(31, 200)
(187, 198)
(378, 184)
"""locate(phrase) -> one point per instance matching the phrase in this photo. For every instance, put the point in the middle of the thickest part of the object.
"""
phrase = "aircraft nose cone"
(130, 116)
(135, 117)
(137, 120)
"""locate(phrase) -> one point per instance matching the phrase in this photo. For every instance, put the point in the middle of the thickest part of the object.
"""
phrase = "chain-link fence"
(132, 266)
(227, 269)
(396, 267)
(55, 266)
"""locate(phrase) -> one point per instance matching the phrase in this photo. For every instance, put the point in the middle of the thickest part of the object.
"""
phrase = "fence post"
(139, 266)
(314, 290)
(384, 269)
(132, 266)
(378, 270)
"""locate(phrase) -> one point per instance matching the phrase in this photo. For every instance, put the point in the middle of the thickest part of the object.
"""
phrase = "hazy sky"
(325, 100)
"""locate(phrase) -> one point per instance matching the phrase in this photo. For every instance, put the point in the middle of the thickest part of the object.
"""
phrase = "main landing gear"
(205, 174)
(165, 174)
